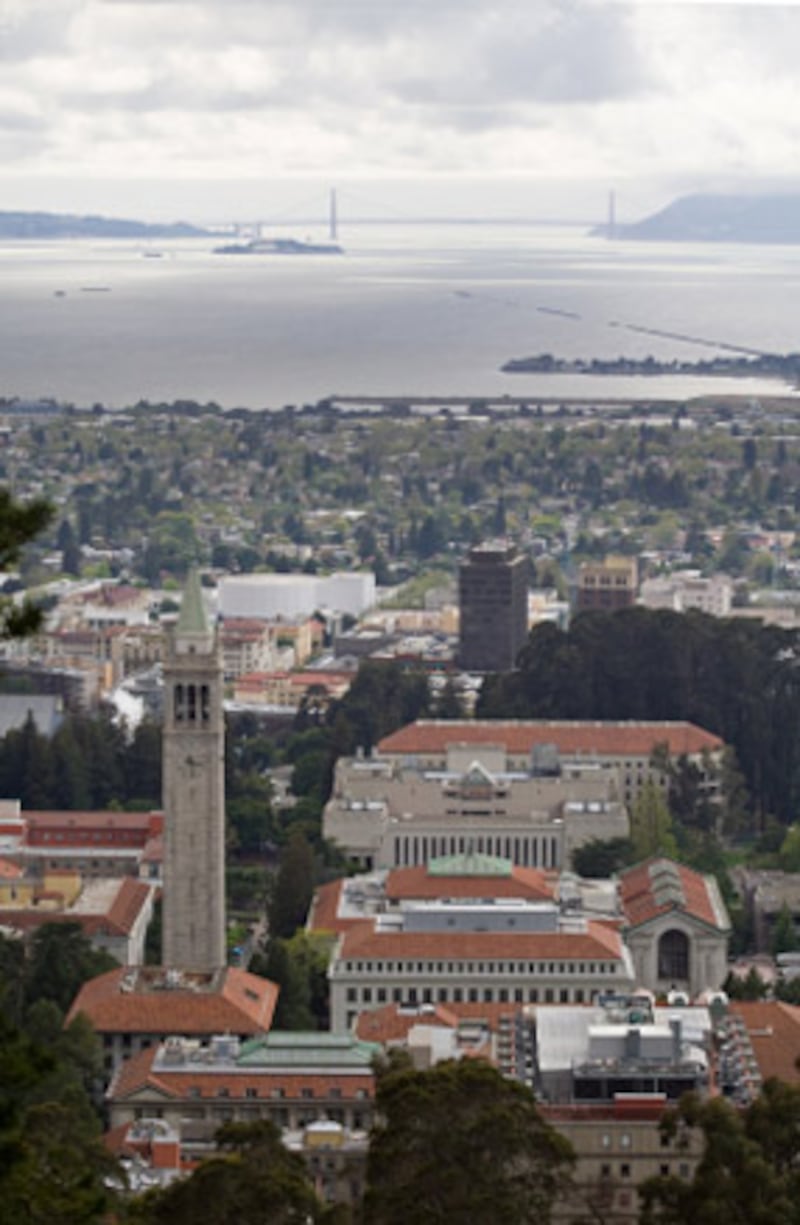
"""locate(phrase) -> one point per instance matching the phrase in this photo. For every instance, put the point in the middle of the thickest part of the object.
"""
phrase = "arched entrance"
(673, 956)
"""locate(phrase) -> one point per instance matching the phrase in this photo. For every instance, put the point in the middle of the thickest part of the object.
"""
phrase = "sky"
(214, 110)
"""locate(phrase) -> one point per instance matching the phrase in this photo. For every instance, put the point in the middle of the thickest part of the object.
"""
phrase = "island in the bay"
(771, 218)
(33, 225)
(783, 366)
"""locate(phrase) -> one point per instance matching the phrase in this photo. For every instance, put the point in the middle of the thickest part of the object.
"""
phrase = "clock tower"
(194, 791)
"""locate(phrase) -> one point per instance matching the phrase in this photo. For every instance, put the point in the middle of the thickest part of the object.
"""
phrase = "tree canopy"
(735, 677)
(459, 1144)
(253, 1180)
(749, 1172)
(19, 523)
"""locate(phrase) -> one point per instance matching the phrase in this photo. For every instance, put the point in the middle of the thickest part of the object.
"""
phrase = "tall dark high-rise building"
(493, 600)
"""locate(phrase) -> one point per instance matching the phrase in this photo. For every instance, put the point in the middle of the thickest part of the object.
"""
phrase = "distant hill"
(65, 225)
(702, 218)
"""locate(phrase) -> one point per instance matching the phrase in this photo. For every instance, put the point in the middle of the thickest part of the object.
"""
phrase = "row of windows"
(112, 837)
(251, 1091)
(472, 995)
(280, 1116)
(541, 852)
(533, 968)
(607, 1170)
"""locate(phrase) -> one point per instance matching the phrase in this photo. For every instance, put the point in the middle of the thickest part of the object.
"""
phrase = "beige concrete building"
(504, 951)
(398, 811)
(292, 1079)
(676, 927)
(627, 746)
(607, 585)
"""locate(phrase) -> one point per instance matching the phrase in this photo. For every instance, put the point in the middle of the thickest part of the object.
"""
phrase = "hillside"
(712, 218)
(65, 225)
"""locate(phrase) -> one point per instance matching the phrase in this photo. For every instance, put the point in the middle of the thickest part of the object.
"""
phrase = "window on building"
(625, 1170)
(673, 956)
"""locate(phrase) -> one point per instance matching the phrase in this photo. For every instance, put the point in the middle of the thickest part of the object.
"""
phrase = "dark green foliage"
(749, 1173)
(293, 887)
(54, 1169)
(299, 967)
(254, 1180)
(751, 987)
(19, 523)
(57, 960)
(737, 678)
(784, 934)
(459, 1144)
(60, 959)
(601, 858)
(87, 764)
(383, 697)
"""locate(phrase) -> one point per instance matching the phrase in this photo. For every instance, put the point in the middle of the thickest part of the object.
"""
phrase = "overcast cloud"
(140, 102)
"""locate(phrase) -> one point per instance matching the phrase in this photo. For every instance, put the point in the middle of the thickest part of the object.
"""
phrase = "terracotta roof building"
(761, 1039)
(676, 927)
(456, 951)
(431, 1032)
(132, 1009)
(105, 843)
(113, 914)
(627, 741)
(469, 790)
(292, 1079)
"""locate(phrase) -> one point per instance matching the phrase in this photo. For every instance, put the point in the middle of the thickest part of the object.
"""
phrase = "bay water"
(427, 309)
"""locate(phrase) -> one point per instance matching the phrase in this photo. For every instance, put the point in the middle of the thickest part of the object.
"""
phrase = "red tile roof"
(418, 883)
(142, 823)
(118, 920)
(520, 736)
(238, 1003)
(658, 886)
(392, 1023)
(127, 905)
(774, 1032)
(324, 913)
(176, 1082)
(599, 942)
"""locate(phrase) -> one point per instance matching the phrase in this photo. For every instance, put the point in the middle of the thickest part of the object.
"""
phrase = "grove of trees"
(735, 677)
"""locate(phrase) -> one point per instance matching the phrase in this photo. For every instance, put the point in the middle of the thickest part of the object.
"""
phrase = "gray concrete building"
(193, 786)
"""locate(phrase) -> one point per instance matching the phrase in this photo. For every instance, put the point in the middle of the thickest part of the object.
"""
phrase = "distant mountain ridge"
(718, 218)
(67, 225)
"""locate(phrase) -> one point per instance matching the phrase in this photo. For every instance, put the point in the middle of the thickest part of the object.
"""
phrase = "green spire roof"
(192, 618)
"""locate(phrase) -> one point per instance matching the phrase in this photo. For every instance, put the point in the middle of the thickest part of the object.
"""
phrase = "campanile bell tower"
(194, 791)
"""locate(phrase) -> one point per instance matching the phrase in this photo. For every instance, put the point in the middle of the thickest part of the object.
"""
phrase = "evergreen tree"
(784, 934)
(651, 824)
(460, 1144)
(293, 887)
(19, 524)
(749, 1173)
(254, 1180)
